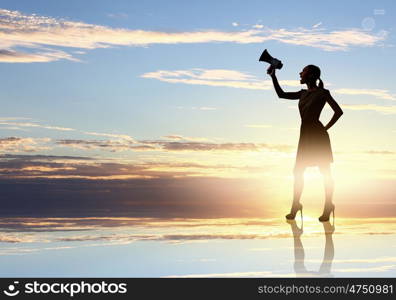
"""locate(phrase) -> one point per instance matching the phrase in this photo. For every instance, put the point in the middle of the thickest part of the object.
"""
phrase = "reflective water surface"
(149, 247)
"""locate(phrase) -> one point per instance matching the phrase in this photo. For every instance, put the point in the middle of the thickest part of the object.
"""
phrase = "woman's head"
(311, 73)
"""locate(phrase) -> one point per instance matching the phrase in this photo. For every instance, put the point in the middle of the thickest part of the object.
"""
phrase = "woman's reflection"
(299, 254)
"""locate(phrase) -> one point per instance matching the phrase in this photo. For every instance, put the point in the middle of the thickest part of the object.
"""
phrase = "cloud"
(235, 24)
(207, 74)
(44, 169)
(119, 142)
(216, 77)
(339, 40)
(185, 138)
(36, 125)
(16, 125)
(373, 107)
(40, 157)
(201, 146)
(55, 167)
(10, 239)
(12, 56)
(152, 186)
(378, 93)
(21, 251)
(106, 145)
(181, 144)
(72, 189)
(317, 25)
(18, 144)
(63, 167)
(13, 118)
(113, 135)
(35, 33)
(14, 128)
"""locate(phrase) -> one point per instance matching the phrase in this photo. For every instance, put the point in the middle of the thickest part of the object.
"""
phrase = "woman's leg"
(298, 186)
(328, 182)
(298, 183)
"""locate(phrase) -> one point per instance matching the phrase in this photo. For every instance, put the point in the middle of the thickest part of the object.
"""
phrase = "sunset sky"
(161, 108)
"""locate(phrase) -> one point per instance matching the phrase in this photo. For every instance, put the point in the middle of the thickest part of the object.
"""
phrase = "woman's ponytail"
(315, 73)
(321, 83)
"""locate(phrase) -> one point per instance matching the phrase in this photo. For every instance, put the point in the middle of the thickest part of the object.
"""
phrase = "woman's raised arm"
(280, 92)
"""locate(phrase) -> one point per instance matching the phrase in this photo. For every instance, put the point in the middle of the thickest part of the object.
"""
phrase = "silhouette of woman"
(314, 148)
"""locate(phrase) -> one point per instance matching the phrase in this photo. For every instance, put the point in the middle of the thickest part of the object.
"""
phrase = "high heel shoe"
(294, 210)
(327, 211)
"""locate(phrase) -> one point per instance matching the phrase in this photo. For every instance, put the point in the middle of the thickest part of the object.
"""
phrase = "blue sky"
(107, 81)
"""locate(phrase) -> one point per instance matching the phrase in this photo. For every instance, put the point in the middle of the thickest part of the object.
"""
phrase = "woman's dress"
(314, 148)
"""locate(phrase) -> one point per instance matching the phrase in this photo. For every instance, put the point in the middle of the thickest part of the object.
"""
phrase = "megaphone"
(274, 62)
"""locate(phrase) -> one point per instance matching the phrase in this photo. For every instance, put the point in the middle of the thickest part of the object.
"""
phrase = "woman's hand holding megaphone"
(271, 71)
